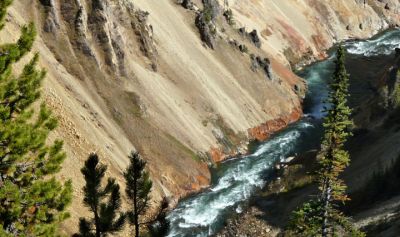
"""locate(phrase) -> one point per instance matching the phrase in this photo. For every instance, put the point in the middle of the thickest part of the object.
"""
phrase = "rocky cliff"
(186, 83)
(373, 149)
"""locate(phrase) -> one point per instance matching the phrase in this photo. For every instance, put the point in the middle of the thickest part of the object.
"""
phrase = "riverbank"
(237, 180)
(268, 211)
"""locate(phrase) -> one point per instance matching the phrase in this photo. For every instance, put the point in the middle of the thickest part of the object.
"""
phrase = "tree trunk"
(136, 225)
(96, 222)
(136, 214)
(326, 198)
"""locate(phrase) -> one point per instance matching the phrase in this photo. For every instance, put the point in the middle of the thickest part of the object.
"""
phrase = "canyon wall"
(300, 31)
(135, 74)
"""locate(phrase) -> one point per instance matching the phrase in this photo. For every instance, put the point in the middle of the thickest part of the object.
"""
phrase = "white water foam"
(237, 184)
(384, 45)
(197, 215)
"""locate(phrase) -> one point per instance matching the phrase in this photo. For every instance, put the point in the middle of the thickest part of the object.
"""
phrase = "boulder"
(188, 4)
(254, 63)
(255, 39)
(265, 64)
(242, 31)
(243, 48)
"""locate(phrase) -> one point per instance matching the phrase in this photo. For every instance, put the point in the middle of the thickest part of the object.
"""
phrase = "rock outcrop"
(188, 4)
(265, 130)
(205, 22)
(206, 29)
(264, 64)
(302, 28)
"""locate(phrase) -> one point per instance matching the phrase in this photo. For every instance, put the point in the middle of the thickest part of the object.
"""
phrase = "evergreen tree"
(334, 157)
(105, 220)
(159, 227)
(32, 201)
(320, 217)
(138, 187)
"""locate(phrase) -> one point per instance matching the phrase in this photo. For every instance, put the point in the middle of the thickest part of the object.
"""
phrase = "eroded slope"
(120, 79)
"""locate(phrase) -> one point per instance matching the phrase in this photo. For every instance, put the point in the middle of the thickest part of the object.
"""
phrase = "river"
(234, 181)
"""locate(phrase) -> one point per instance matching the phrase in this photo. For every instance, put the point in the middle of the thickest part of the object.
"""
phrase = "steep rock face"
(292, 30)
(384, 96)
(128, 75)
(390, 90)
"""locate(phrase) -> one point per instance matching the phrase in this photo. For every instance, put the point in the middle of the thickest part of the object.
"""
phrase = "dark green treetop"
(138, 188)
(159, 226)
(106, 219)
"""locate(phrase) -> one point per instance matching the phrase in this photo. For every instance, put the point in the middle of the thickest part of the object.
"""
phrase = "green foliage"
(105, 214)
(159, 227)
(11, 53)
(307, 220)
(228, 14)
(208, 14)
(138, 188)
(297, 183)
(319, 217)
(342, 224)
(32, 201)
(334, 157)
(4, 4)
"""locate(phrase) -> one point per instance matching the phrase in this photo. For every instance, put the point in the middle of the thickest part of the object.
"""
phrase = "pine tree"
(334, 157)
(32, 201)
(159, 227)
(320, 217)
(105, 220)
(138, 188)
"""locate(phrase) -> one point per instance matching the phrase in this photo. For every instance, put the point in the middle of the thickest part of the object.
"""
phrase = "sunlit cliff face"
(121, 79)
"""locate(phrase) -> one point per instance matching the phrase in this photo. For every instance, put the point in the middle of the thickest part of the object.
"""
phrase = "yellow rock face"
(119, 83)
